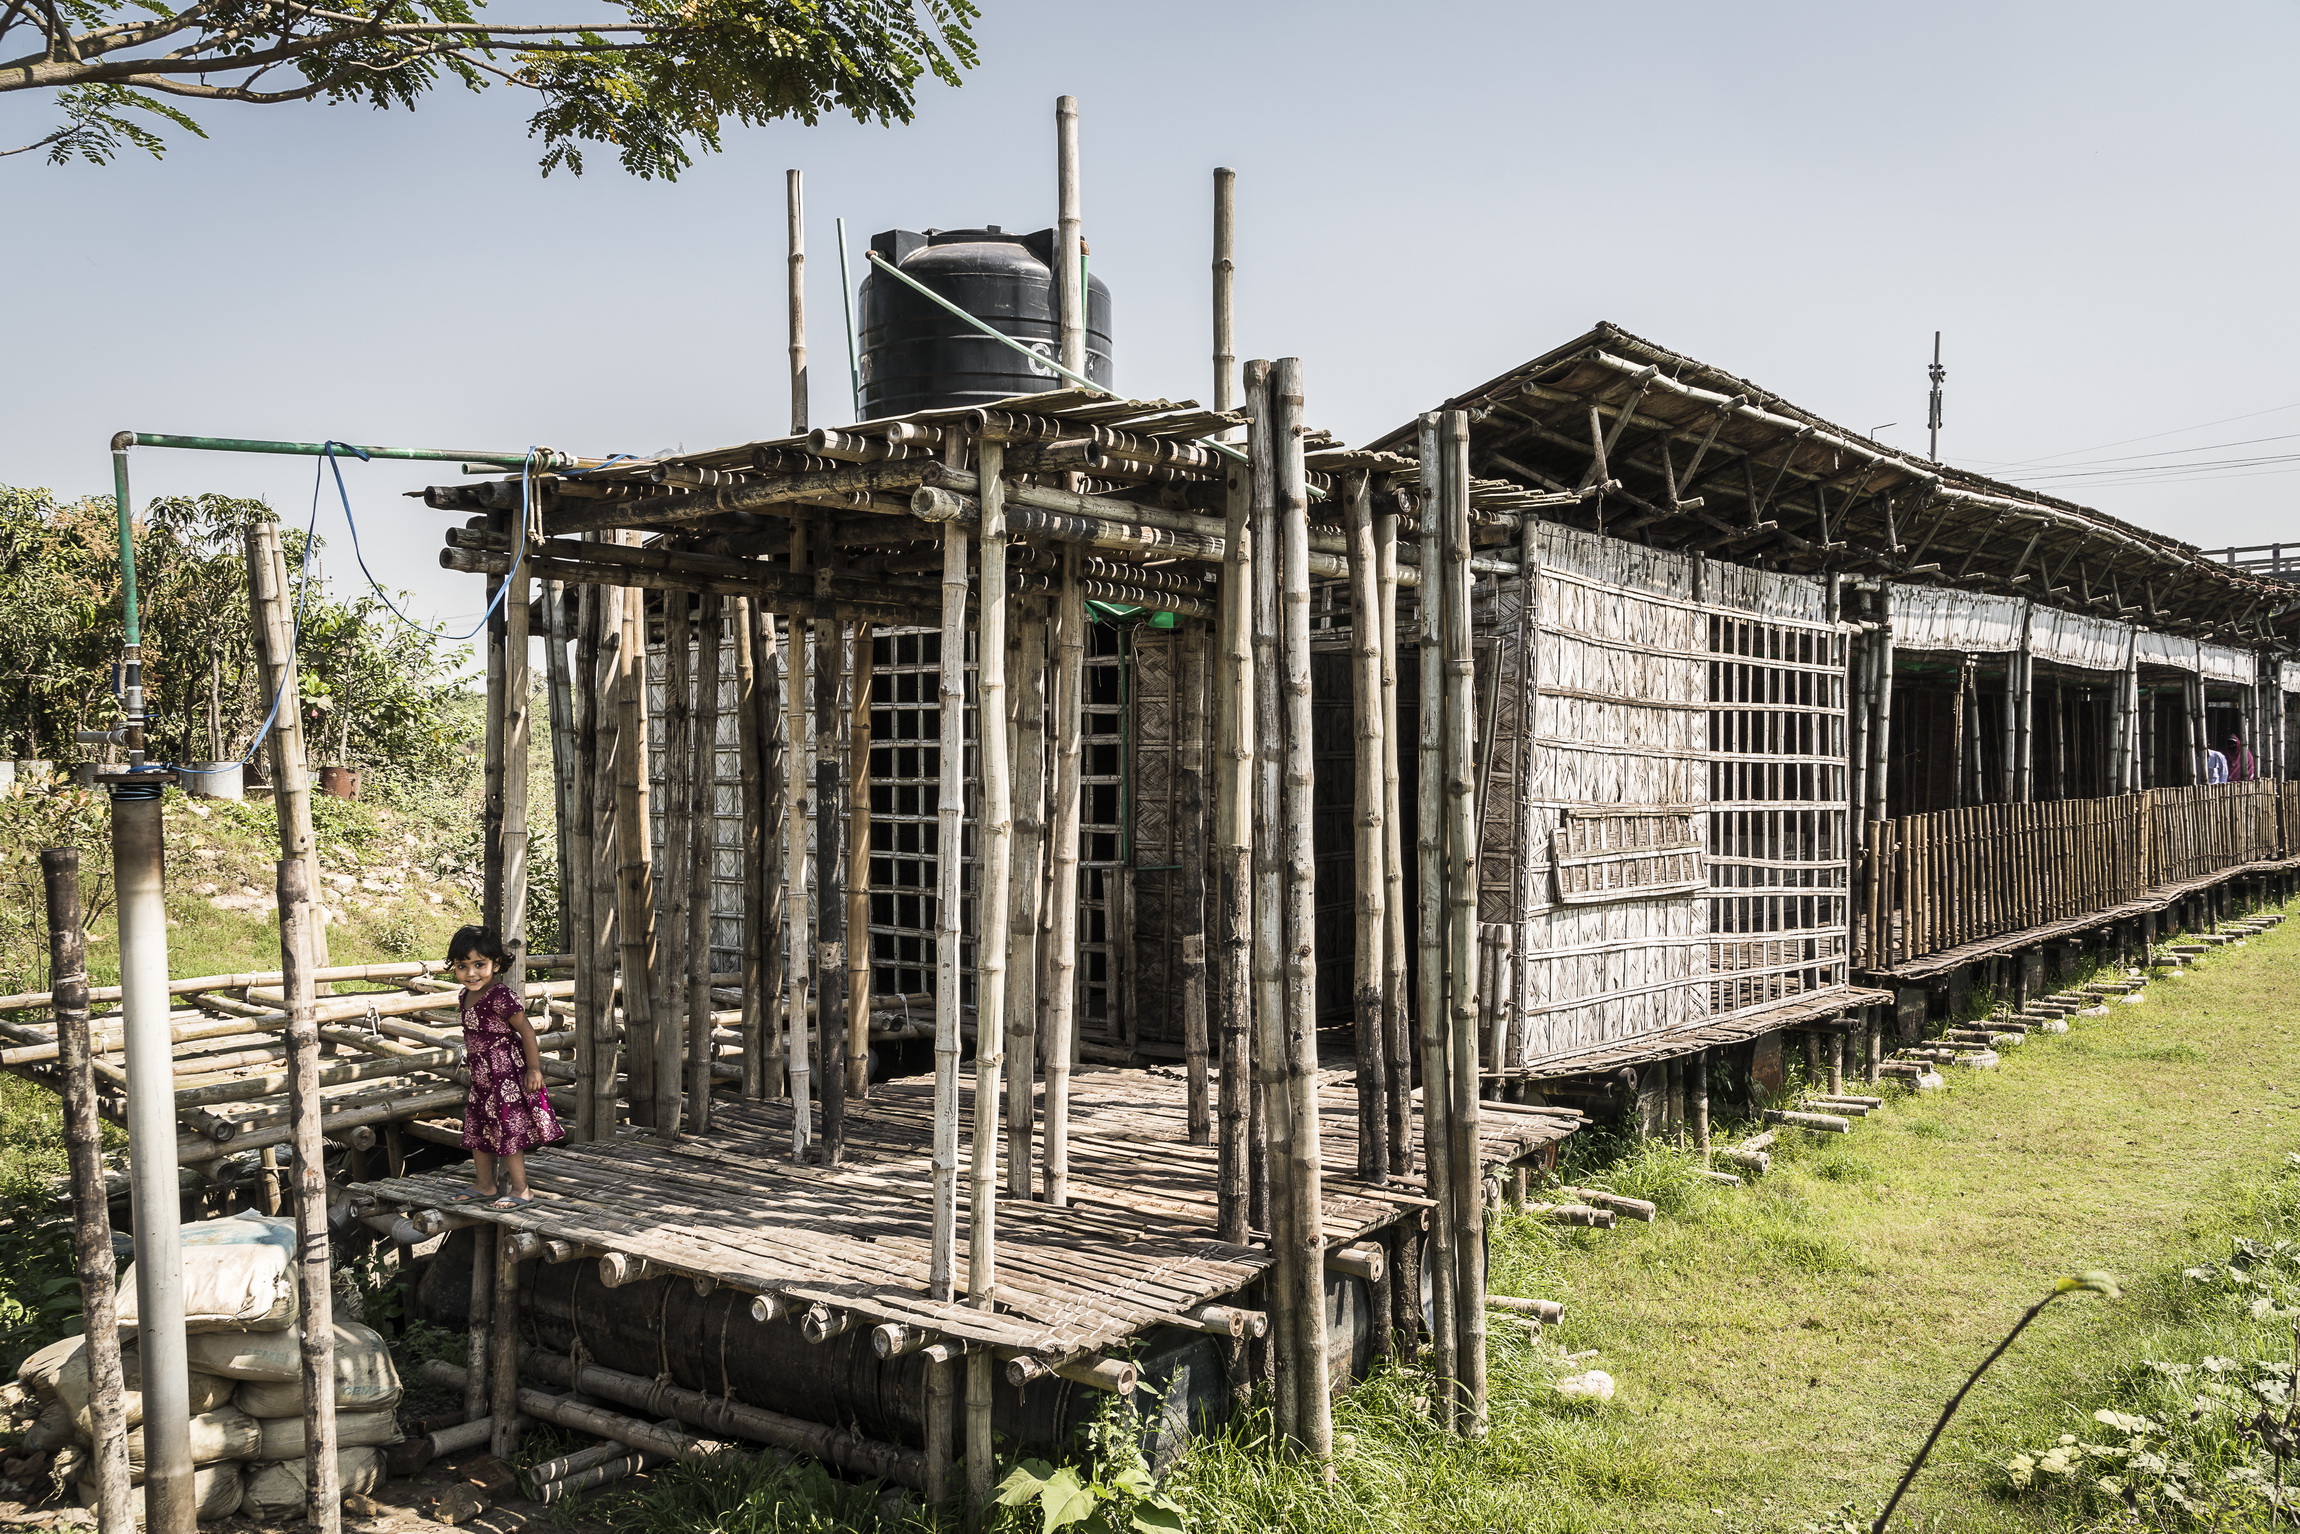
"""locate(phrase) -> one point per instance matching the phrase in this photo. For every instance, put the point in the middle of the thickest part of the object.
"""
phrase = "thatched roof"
(1707, 460)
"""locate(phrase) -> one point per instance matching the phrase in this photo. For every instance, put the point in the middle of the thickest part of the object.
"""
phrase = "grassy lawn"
(1781, 1348)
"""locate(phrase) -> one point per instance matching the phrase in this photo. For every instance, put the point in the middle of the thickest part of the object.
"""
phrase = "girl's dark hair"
(477, 940)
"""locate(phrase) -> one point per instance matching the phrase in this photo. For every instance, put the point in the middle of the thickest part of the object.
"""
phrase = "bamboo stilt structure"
(92, 1256)
(941, 1409)
(1029, 881)
(949, 931)
(831, 1016)
(996, 849)
(635, 864)
(798, 784)
(1313, 1406)
(701, 1052)
(1371, 842)
(291, 796)
(676, 888)
(858, 947)
(1233, 833)
(1459, 755)
(1430, 987)
(1060, 1005)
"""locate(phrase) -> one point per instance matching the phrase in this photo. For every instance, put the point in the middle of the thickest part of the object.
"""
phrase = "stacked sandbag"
(246, 1356)
(221, 1434)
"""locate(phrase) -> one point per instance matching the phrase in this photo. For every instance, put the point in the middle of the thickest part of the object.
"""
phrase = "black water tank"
(917, 355)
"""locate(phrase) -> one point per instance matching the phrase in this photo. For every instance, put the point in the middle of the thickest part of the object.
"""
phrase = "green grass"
(1780, 1349)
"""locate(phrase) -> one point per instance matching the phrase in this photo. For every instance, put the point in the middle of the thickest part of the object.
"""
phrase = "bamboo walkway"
(1134, 1249)
(1709, 1033)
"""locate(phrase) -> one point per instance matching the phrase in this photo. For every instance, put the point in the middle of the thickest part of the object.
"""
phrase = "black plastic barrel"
(917, 355)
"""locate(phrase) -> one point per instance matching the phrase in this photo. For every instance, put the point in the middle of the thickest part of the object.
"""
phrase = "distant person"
(506, 1114)
(2243, 767)
(2215, 766)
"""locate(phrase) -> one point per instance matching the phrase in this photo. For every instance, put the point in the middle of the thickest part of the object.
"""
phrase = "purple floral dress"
(500, 1116)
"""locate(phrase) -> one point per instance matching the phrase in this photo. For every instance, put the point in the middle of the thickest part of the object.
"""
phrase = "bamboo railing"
(1939, 881)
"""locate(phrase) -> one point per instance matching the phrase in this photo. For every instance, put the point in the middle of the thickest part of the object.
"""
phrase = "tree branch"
(37, 144)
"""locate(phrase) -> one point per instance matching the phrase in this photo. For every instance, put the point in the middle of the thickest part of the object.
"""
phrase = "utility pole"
(1933, 411)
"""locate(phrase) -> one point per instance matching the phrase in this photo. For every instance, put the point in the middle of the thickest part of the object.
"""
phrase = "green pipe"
(543, 458)
(131, 625)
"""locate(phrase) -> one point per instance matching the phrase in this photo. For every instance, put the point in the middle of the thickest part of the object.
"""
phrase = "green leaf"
(1135, 1482)
(2091, 1281)
(1065, 1500)
(1026, 1481)
(1159, 1516)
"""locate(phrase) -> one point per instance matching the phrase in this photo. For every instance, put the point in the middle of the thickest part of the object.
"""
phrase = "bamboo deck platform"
(1133, 1250)
(1669, 1043)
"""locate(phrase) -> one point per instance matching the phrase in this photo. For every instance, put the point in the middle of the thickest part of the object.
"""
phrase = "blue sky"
(2094, 202)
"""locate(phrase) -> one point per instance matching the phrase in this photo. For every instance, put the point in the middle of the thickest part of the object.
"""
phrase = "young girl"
(506, 1114)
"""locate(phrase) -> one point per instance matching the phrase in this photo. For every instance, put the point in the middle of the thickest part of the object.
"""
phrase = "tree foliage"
(656, 79)
(374, 692)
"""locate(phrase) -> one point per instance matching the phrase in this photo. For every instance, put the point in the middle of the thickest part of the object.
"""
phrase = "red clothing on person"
(500, 1116)
(2243, 767)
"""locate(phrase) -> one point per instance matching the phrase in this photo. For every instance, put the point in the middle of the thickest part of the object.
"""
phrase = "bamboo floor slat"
(1670, 1043)
(1134, 1250)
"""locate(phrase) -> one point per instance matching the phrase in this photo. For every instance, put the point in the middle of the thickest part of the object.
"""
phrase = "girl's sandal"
(471, 1196)
(510, 1201)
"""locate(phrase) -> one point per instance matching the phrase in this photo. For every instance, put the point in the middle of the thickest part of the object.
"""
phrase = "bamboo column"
(1029, 881)
(795, 284)
(751, 739)
(1698, 1067)
(291, 797)
(635, 863)
(798, 783)
(2192, 695)
(1234, 756)
(503, 1350)
(997, 897)
(2021, 769)
(831, 1019)
(1430, 980)
(1397, 1010)
(517, 719)
(858, 984)
(1459, 754)
(676, 889)
(1060, 1005)
(116, 1502)
(1880, 739)
(491, 755)
(594, 1012)
(1372, 839)
(1276, 1161)
(1192, 684)
(949, 930)
(1069, 247)
(1313, 1405)
(701, 849)
(571, 806)
(1225, 287)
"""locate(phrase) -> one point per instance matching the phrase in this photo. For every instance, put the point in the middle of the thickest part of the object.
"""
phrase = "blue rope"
(331, 464)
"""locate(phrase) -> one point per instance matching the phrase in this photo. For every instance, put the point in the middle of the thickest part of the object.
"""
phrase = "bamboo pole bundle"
(1372, 839)
(91, 1213)
(1430, 998)
(997, 852)
(635, 866)
(831, 1015)
(950, 873)
(602, 641)
(1277, 1159)
(1234, 756)
(1192, 683)
(798, 783)
(1313, 1404)
(291, 796)
(701, 1052)
(676, 888)
(858, 948)
(1029, 880)
(1459, 757)
(1060, 1006)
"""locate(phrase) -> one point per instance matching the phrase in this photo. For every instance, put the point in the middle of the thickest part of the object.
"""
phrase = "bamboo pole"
(603, 624)
(479, 1351)
(491, 754)
(1029, 881)
(1313, 1406)
(832, 1018)
(1372, 839)
(751, 745)
(858, 950)
(291, 797)
(701, 1052)
(996, 848)
(91, 1211)
(635, 862)
(1461, 848)
(798, 784)
(2021, 767)
(1060, 1005)
(1276, 1160)
(578, 836)
(795, 215)
(573, 839)
(949, 935)
(1190, 833)
(503, 1352)
(676, 888)
(518, 718)
(1069, 246)
(1397, 1021)
(1225, 289)
(1430, 981)
(1233, 839)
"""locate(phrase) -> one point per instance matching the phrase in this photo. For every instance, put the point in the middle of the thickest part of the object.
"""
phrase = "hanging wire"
(331, 464)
